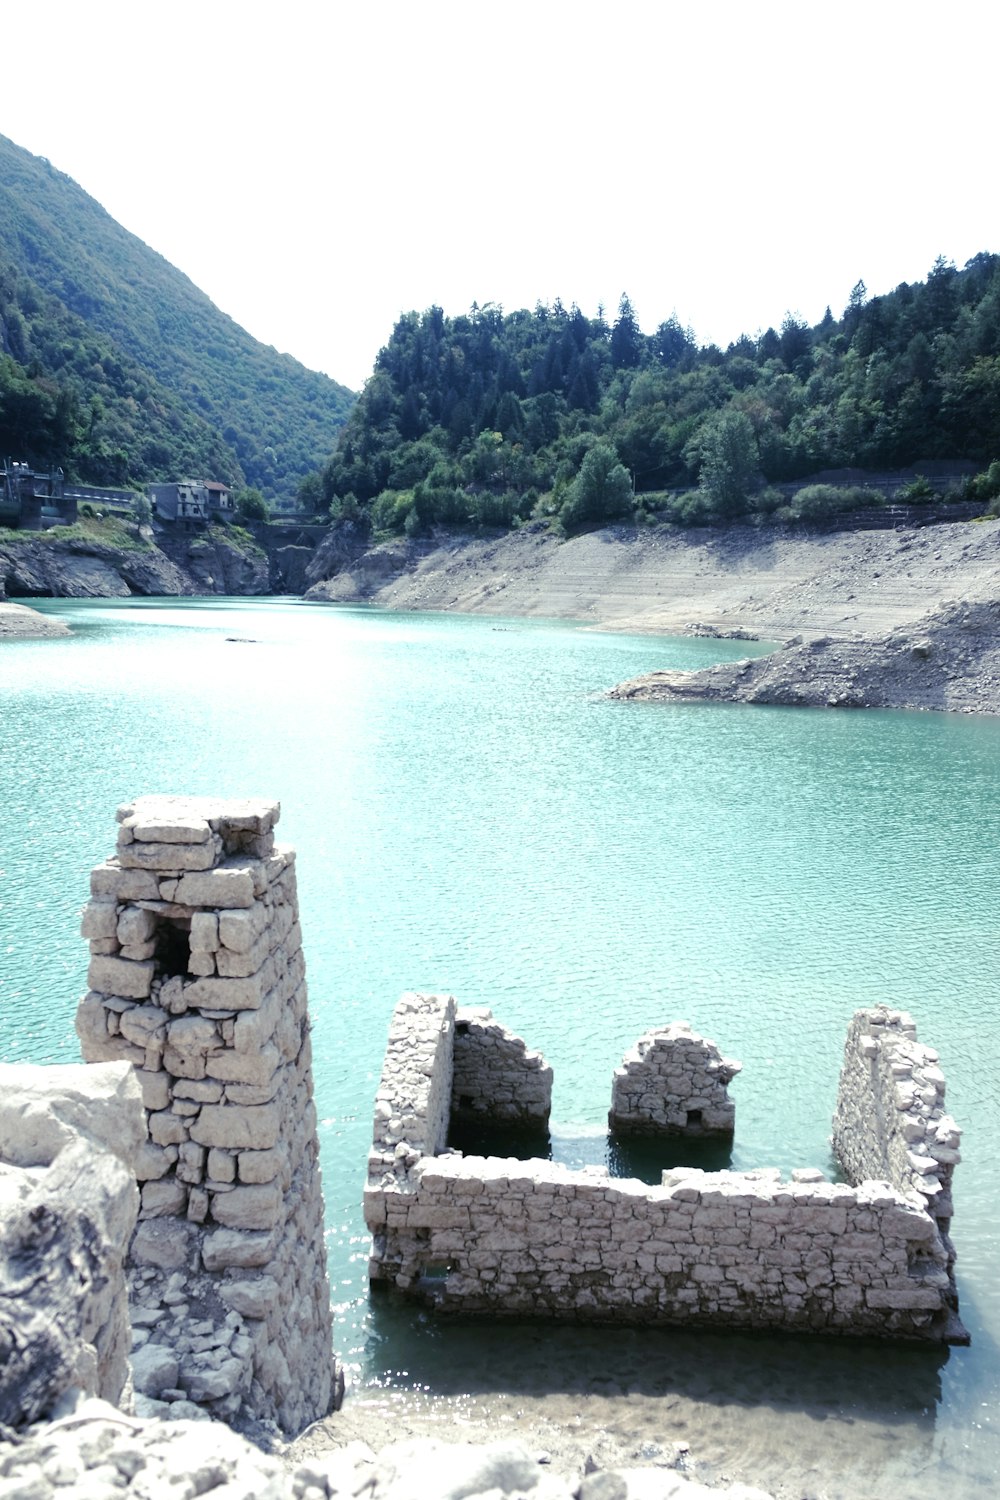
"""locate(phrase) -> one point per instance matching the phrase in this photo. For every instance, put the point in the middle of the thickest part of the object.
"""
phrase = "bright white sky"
(319, 168)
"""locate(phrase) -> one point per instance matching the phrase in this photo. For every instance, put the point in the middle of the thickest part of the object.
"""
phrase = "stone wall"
(197, 978)
(673, 1082)
(496, 1076)
(69, 1138)
(515, 1238)
(890, 1120)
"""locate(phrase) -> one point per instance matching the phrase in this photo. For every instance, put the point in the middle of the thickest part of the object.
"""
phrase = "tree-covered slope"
(98, 313)
(488, 417)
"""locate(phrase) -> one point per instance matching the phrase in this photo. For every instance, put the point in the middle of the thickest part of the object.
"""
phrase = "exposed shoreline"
(19, 622)
(891, 619)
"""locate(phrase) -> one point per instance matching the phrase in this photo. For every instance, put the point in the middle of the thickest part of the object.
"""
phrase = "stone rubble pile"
(197, 979)
(495, 1075)
(673, 1082)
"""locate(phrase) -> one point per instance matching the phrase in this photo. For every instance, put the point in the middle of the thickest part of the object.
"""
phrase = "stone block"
(208, 1384)
(117, 976)
(197, 1205)
(241, 1067)
(221, 994)
(184, 1065)
(204, 932)
(143, 1024)
(193, 1034)
(179, 830)
(168, 859)
(261, 1166)
(200, 1091)
(251, 1093)
(222, 1166)
(155, 1088)
(136, 925)
(239, 930)
(168, 1196)
(252, 1299)
(99, 920)
(224, 888)
(254, 1127)
(152, 1161)
(154, 1369)
(162, 1243)
(256, 1207)
(238, 1249)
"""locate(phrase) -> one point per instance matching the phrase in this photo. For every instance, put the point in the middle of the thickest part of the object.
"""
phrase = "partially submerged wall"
(515, 1238)
(496, 1076)
(673, 1082)
(890, 1120)
(197, 978)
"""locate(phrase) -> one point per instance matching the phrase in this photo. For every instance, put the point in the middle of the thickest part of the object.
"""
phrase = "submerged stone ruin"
(673, 1082)
(197, 979)
(507, 1237)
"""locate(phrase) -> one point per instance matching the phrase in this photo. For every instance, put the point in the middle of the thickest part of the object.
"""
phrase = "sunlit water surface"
(471, 814)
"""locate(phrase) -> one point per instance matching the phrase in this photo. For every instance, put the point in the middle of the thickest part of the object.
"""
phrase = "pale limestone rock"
(163, 1197)
(250, 1207)
(240, 1249)
(99, 920)
(163, 1243)
(204, 932)
(254, 1299)
(224, 994)
(43, 1110)
(167, 858)
(119, 976)
(219, 888)
(154, 1369)
(238, 1127)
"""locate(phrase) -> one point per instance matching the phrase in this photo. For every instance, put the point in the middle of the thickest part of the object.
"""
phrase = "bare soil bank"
(872, 596)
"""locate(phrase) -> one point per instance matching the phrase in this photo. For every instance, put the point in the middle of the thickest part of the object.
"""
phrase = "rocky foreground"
(93, 1451)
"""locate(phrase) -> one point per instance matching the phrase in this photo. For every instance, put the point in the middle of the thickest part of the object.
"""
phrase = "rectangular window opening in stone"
(172, 946)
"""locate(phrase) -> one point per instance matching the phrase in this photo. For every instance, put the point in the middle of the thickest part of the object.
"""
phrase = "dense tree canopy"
(488, 418)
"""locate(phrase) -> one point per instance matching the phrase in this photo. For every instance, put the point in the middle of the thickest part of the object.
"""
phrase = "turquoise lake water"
(471, 814)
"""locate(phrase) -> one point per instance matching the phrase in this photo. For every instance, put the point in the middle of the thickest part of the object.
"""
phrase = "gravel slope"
(874, 599)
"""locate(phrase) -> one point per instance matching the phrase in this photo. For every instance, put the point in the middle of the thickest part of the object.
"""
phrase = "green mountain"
(115, 365)
(491, 418)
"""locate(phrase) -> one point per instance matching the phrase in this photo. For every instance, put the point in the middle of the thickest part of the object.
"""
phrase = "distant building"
(31, 500)
(191, 500)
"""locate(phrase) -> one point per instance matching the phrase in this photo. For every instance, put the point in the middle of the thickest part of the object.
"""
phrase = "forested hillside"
(489, 418)
(113, 364)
